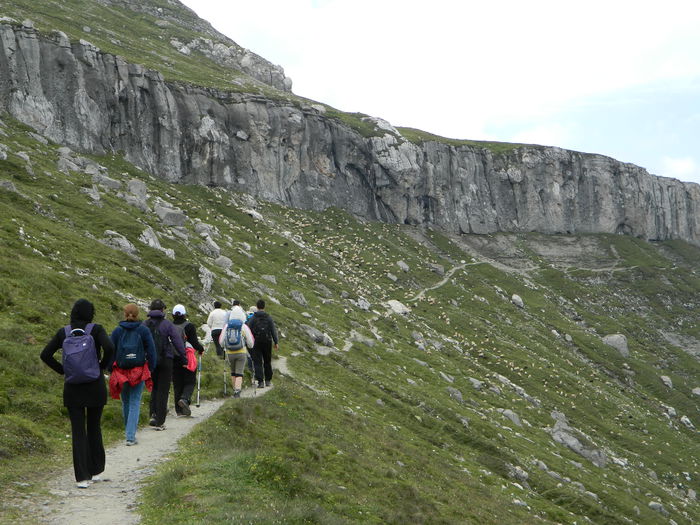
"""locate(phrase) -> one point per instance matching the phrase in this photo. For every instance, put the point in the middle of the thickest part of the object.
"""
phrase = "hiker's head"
(236, 302)
(157, 304)
(252, 310)
(131, 312)
(217, 304)
(260, 304)
(179, 311)
(83, 310)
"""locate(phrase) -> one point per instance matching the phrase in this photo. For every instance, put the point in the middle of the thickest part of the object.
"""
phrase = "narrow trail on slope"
(447, 277)
(114, 500)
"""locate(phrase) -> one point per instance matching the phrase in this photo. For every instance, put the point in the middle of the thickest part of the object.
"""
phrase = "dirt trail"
(113, 500)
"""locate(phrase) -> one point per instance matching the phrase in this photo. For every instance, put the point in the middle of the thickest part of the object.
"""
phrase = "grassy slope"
(369, 435)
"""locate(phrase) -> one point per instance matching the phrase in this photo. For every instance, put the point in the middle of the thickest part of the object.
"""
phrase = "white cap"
(178, 309)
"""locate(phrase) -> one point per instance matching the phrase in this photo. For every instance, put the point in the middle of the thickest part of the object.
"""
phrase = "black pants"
(88, 450)
(183, 385)
(215, 336)
(162, 377)
(262, 360)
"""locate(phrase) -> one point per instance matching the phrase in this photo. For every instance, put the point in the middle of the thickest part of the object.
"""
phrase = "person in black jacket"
(84, 401)
(265, 332)
(184, 379)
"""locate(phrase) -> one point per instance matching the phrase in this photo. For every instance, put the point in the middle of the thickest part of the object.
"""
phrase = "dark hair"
(82, 310)
(217, 304)
(236, 302)
(157, 304)
(260, 304)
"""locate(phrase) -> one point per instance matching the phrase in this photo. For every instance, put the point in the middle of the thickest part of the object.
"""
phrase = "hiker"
(236, 339)
(184, 377)
(265, 333)
(87, 351)
(237, 311)
(216, 321)
(135, 360)
(168, 343)
(249, 359)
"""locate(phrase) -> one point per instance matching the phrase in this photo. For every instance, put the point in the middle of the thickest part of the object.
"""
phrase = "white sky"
(616, 77)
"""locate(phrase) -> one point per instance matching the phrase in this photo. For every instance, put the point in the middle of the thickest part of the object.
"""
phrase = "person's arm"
(47, 354)
(275, 337)
(150, 346)
(191, 333)
(103, 341)
(248, 337)
(114, 338)
(210, 319)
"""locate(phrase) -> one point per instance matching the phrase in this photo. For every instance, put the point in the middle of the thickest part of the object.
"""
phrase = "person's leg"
(134, 409)
(215, 334)
(189, 380)
(126, 399)
(266, 351)
(256, 353)
(79, 443)
(96, 449)
(165, 376)
(178, 385)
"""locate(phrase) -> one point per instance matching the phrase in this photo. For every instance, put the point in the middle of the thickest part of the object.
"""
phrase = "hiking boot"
(130, 443)
(236, 393)
(184, 407)
(153, 422)
(268, 383)
(159, 427)
(96, 477)
(82, 484)
(261, 384)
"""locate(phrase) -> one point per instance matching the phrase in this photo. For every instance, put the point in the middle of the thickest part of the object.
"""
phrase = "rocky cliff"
(294, 153)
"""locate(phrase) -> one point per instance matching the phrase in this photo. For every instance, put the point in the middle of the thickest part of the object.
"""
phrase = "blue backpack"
(130, 350)
(80, 363)
(233, 339)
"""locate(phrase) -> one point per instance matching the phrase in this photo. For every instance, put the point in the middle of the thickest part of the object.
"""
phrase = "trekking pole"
(199, 378)
(225, 379)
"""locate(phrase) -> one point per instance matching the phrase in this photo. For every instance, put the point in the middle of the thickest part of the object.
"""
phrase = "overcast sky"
(616, 77)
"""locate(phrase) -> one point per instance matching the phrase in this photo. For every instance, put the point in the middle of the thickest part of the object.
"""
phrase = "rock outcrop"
(294, 154)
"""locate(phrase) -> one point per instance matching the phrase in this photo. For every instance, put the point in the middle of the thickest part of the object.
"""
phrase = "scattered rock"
(476, 383)
(298, 297)
(223, 262)
(455, 394)
(658, 507)
(696, 391)
(667, 381)
(447, 377)
(517, 301)
(119, 242)
(508, 413)
(269, 278)
(403, 266)
(398, 308)
(687, 422)
(618, 342)
(170, 216)
(206, 277)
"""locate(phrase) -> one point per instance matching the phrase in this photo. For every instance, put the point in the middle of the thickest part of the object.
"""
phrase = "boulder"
(618, 342)
(455, 394)
(119, 242)
(170, 216)
(397, 307)
(667, 381)
(517, 301)
(298, 297)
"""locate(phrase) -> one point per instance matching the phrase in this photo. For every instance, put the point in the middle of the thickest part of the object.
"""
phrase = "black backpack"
(261, 327)
(130, 350)
(158, 339)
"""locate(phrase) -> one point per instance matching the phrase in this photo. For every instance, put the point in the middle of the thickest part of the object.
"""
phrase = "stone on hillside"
(397, 307)
(658, 507)
(149, 238)
(245, 246)
(476, 383)
(687, 422)
(206, 277)
(667, 381)
(324, 291)
(508, 413)
(65, 165)
(298, 297)
(223, 262)
(437, 268)
(563, 434)
(119, 242)
(269, 278)
(455, 394)
(517, 301)
(138, 188)
(8, 185)
(447, 377)
(210, 248)
(107, 182)
(421, 363)
(363, 304)
(316, 335)
(692, 495)
(403, 266)
(254, 214)
(464, 421)
(517, 472)
(92, 192)
(696, 391)
(170, 216)
(204, 229)
(618, 342)
(392, 277)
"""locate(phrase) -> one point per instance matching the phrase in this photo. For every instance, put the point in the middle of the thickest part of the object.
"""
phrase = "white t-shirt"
(237, 312)
(217, 319)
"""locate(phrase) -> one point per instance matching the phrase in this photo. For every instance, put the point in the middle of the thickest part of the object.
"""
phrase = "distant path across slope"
(448, 276)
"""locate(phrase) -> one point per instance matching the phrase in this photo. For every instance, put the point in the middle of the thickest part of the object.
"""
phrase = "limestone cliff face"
(95, 102)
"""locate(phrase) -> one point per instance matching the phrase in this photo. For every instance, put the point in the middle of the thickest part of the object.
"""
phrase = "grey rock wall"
(95, 102)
